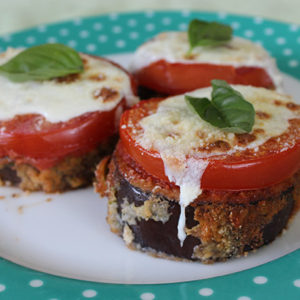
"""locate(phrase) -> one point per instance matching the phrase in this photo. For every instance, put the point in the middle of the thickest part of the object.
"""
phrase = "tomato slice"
(32, 139)
(224, 173)
(177, 78)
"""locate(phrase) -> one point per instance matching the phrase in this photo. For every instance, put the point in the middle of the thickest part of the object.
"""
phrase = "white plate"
(66, 234)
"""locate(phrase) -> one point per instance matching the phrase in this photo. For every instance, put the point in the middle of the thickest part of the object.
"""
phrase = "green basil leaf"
(227, 110)
(202, 33)
(42, 62)
(203, 107)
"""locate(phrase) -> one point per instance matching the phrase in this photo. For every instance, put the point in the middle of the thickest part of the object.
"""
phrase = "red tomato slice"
(226, 173)
(177, 78)
(30, 138)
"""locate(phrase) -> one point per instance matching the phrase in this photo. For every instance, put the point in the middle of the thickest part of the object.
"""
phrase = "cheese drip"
(177, 133)
(187, 175)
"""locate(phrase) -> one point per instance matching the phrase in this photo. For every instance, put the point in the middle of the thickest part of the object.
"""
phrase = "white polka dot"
(298, 40)
(64, 32)
(120, 43)
(131, 22)
(30, 40)
(293, 63)
(166, 21)
(149, 26)
(84, 34)
(206, 292)
(102, 38)
(182, 26)
(287, 51)
(117, 29)
(297, 283)
(41, 28)
(72, 43)
(258, 20)
(77, 21)
(2, 287)
(259, 42)
(222, 15)
(51, 40)
(36, 283)
(280, 41)
(147, 296)
(149, 14)
(260, 279)
(235, 25)
(91, 47)
(89, 293)
(244, 298)
(97, 26)
(133, 35)
(294, 27)
(185, 13)
(249, 33)
(113, 16)
(269, 31)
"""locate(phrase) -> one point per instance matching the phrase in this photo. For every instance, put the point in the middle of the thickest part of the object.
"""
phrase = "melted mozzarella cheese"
(178, 133)
(188, 179)
(175, 130)
(173, 46)
(62, 101)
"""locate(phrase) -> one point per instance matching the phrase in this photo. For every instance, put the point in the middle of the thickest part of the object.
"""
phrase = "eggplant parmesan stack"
(180, 188)
(53, 132)
(164, 66)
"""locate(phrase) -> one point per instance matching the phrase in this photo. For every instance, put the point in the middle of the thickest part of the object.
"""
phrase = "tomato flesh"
(220, 174)
(177, 78)
(31, 139)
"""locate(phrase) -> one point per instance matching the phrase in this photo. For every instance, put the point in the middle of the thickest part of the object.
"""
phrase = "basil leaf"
(202, 33)
(227, 110)
(203, 107)
(42, 62)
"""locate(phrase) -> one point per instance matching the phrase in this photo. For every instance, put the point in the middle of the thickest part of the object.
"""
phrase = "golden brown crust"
(139, 178)
(101, 173)
(71, 173)
(219, 224)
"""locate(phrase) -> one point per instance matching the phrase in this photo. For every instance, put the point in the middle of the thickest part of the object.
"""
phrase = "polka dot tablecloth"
(117, 33)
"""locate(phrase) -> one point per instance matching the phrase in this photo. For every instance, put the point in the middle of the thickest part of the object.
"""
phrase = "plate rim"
(176, 11)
